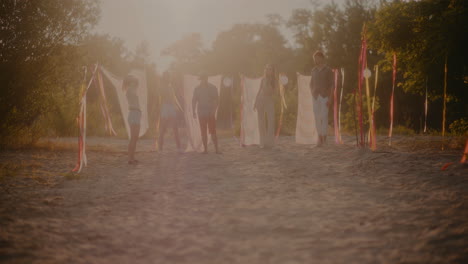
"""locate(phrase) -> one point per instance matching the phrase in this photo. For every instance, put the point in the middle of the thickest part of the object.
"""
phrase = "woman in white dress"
(265, 106)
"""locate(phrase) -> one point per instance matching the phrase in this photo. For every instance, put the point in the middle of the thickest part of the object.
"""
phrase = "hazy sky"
(161, 22)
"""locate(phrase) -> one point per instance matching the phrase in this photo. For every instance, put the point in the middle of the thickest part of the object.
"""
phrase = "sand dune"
(289, 204)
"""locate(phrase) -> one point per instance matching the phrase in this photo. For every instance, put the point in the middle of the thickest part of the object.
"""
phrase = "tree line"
(45, 44)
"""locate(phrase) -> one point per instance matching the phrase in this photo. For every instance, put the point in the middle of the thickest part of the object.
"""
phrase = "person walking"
(321, 87)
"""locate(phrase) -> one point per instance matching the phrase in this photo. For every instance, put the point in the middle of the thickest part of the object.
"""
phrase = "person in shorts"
(130, 86)
(168, 112)
(205, 103)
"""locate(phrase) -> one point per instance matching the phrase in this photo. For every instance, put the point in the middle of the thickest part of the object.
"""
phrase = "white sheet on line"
(250, 134)
(306, 131)
(194, 141)
(142, 97)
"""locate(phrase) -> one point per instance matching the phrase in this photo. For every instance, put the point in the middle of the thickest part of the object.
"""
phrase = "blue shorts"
(134, 117)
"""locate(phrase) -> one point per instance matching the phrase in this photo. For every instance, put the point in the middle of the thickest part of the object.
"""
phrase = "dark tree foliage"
(424, 34)
(36, 39)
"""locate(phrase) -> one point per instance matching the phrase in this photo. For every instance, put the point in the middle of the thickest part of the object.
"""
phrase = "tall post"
(444, 111)
(391, 99)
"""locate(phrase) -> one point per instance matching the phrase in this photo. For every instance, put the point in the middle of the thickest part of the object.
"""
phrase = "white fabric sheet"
(142, 97)
(250, 133)
(193, 127)
(306, 131)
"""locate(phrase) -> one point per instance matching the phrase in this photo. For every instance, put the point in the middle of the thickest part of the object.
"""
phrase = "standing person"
(130, 86)
(321, 87)
(265, 106)
(168, 112)
(205, 100)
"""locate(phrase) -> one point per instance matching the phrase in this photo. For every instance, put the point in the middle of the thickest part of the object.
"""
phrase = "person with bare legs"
(130, 86)
(265, 106)
(321, 87)
(168, 112)
(204, 104)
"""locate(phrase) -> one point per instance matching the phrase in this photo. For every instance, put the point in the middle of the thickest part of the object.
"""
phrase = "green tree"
(187, 53)
(32, 35)
(424, 34)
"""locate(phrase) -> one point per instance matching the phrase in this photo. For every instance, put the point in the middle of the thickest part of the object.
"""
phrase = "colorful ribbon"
(391, 99)
(104, 109)
(82, 159)
(369, 110)
(341, 99)
(373, 133)
(283, 106)
(335, 108)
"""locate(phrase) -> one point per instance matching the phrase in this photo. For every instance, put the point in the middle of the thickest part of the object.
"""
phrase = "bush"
(459, 127)
(402, 130)
(348, 112)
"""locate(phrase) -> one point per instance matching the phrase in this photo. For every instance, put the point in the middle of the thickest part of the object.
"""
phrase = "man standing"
(321, 87)
(205, 100)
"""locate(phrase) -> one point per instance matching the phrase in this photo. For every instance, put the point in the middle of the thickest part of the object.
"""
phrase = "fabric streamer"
(103, 105)
(142, 97)
(283, 106)
(192, 125)
(341, 99)
(335, 108)
(250, 133)
(391, 98)
(446, 165)
(82, 159)
(369, 108)
(306, 131)
(373, 134)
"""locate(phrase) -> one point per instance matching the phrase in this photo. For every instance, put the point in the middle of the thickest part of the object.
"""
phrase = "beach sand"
(289, 204)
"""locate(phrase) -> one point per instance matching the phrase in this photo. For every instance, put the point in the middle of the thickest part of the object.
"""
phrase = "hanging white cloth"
(306, 131)
(192, 125)
(142, 97)
(250, 133)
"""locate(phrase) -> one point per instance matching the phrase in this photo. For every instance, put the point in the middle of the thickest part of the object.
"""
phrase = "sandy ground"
(290, 204)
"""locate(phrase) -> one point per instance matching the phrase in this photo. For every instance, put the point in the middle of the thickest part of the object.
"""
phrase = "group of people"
(205, 102)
